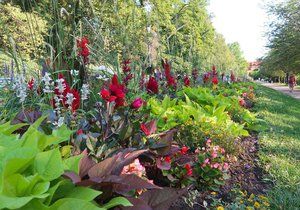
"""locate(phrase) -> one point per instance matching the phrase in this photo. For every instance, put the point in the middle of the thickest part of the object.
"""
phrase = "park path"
(283, 89)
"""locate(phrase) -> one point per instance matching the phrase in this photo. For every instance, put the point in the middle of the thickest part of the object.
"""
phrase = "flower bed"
(133, 141)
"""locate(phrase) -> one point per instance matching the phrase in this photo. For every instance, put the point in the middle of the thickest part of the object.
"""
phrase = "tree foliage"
(143, 31)
(284, 38)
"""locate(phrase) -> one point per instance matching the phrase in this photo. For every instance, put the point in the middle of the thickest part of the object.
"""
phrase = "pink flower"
(225, 166)
(216, 165)
(244, 95)
(242, 102)
(134, 168)
(214, 154)
(137, 103)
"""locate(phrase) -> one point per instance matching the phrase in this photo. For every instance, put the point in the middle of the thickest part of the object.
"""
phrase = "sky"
(241, 21)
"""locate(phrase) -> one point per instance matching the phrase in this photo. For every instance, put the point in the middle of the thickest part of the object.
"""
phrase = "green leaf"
(49, 164)
(83, 193)
(17, 202)
(72, 163)
(74, 204)
(116, 202)
(18, 160)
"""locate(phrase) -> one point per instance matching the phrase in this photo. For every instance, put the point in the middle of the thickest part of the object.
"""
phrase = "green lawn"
(280, 146)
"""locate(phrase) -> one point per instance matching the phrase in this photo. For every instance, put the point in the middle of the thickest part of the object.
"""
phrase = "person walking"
(292, 82)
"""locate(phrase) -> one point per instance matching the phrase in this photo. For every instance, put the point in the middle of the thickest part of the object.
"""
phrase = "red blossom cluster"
(115, 93)
(84, 51)
(152, 86)
(186, 81)
(127, 71)
(171, 82)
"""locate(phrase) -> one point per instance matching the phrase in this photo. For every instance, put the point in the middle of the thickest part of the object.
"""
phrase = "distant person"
(292, 82)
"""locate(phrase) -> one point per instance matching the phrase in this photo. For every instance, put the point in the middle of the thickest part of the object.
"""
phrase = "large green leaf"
(49, 164)
(17, 202)
(72, 163)
(117, 202)
(74, 204)
(18, 160)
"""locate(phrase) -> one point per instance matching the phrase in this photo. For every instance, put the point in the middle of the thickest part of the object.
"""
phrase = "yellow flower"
(213, 193)
(250, 200)
(220, 208)
(266, 203)
(248, 208)
(256, 204)
(241, 202)
(251, 196)
(263, 197)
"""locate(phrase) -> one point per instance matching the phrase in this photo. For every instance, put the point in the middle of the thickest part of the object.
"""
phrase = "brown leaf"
(103, 168)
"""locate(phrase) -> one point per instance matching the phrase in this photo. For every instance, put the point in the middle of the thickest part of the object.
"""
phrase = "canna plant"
(31, 169)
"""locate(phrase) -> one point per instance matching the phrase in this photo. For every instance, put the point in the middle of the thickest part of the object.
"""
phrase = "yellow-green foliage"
(26, 30)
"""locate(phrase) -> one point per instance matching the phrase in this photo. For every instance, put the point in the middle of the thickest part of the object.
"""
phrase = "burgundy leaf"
(137, 203)
(103, 168)
(125, 159)
(132, 182)
(85, 164)
(162, 199)
(151, 126)
(72, 176)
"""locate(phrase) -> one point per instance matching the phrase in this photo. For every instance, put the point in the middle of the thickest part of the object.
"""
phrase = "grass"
(280, 146)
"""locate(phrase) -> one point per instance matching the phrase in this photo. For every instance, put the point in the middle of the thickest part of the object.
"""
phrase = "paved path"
(284, 89)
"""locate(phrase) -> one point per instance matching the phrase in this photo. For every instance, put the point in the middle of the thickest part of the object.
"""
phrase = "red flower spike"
(152, 86)
(76, 102)
(186, 81)
(188, 168)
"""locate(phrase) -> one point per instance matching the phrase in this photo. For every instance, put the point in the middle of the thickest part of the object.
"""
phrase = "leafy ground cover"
(280, 146)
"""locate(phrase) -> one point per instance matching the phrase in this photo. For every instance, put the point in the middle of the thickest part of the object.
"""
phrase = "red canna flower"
(215, 80)
(189, 170)
(206, 77)
(115, 93)
(30, 84)
(186, 81)
(145, 129)
(137, 103)
(152, 86)
(214, 71)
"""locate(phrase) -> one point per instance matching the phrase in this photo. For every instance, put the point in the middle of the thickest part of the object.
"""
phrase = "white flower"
(48, 83)
(61, 86)
(85, 91)
(20, 86)
(70, 98)
(60, 122)
(148, 7)
(74, 72)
